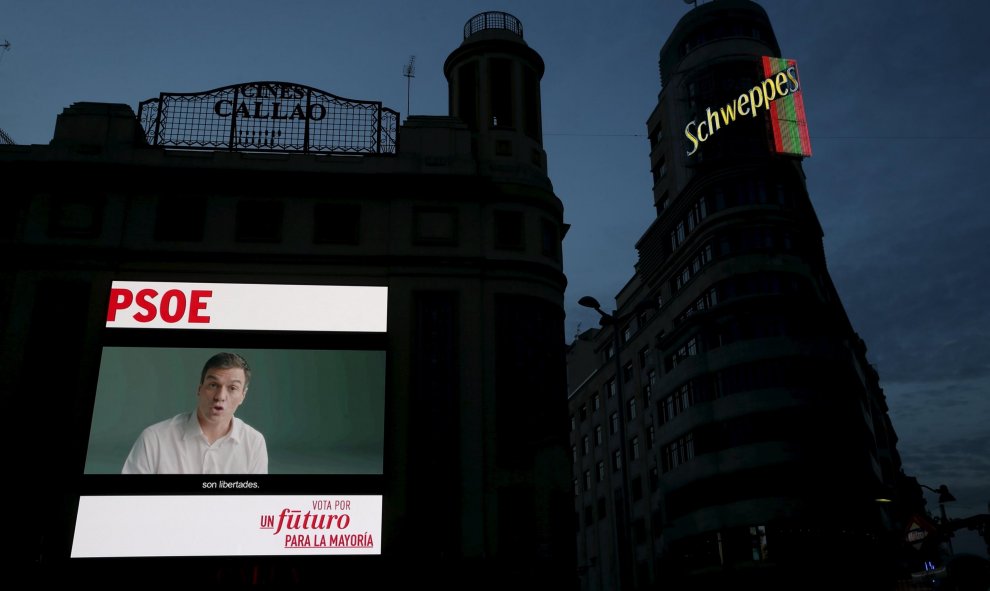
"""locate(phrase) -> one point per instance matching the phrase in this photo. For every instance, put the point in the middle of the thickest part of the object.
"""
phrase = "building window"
(509, 230)
(259, 221)
(616, 460)
(585, 445)
(644, 354)
(758, 540)
(583, 412)
(627, 333)
(647, 393)
(574, 454)
(677, 402)
(601, 471)
(500, 80)
(688, 349)
(336, 223)
(613, 423)
(634, 448)
(627, 371)
(596, 402)
(610, 388)
(550, 242)
(652, 376)
(598, 435)
(435, 226)
(587, 480)
(573, 423)
(610, 352)
(678, 452)
(651, 437)
(631, 408)
(75, 216)
(180, 220)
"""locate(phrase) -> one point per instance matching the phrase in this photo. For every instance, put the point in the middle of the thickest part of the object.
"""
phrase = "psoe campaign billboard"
(236, 420)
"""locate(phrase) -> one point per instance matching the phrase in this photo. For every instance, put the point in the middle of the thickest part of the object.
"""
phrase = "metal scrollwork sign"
(270, 117)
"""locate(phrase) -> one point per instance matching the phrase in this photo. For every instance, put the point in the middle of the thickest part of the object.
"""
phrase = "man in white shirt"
(209, 440)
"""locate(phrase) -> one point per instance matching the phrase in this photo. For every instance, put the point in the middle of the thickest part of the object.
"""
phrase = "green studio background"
(321, 411)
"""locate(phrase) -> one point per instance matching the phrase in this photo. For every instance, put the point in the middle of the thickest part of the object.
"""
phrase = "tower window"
(509, 230)
(500, 85)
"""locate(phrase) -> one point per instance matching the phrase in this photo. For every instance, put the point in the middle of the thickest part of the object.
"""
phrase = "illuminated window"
(758, 540)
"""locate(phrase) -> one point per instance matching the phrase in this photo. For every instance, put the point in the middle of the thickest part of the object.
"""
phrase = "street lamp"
(944, 496)
(623, 558)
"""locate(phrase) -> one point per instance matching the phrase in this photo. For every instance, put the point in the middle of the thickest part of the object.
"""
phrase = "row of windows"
(717, 85)
(721, 548)
(737, 192)
(739, 328)
(758, 375)
(693, 268)
(677, 452)
(262, 221)
(762, 283)
(735, 243)
(781, 425)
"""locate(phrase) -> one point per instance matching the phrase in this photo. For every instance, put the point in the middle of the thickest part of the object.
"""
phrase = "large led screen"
(236, 420)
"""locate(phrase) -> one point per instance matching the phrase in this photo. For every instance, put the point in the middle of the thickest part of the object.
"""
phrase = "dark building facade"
(726, 426)
(460, 223)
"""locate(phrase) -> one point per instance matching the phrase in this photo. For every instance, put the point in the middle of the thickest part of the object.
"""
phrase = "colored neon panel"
(788, 124)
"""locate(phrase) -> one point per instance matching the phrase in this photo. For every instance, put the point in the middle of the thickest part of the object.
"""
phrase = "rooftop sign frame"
(269, 116)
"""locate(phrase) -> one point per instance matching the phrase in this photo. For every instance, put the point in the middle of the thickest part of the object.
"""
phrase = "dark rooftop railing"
(493, 20)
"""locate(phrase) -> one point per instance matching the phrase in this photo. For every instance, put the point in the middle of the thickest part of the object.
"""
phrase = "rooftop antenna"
(409, 71)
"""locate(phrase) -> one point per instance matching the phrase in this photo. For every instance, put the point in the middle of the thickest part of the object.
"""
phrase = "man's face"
(221, 392)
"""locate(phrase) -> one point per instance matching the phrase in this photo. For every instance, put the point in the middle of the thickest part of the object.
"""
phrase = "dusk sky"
(896, 95)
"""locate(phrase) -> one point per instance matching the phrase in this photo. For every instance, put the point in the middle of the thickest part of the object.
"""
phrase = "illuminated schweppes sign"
(778, 94)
